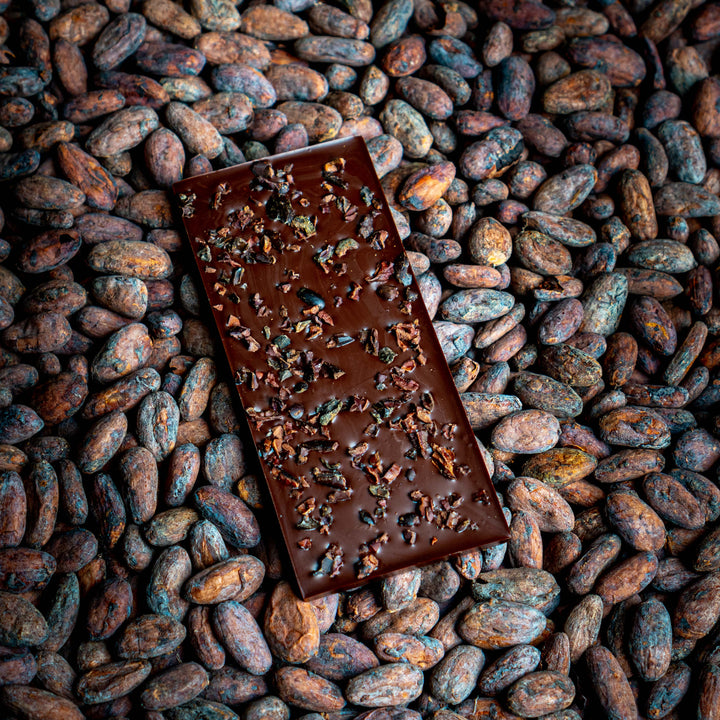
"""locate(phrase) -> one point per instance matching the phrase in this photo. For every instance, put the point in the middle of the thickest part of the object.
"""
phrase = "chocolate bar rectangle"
(370, 460)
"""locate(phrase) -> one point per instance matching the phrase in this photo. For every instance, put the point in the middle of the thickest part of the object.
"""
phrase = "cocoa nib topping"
(331, 561)
(355, 418)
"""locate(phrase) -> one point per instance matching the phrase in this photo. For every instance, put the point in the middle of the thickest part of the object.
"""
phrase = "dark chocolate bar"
(369, 458)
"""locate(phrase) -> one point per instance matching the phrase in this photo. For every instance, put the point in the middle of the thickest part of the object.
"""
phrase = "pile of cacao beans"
(553, 169)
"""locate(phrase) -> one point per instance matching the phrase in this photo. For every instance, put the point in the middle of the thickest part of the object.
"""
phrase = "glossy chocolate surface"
(296, 301)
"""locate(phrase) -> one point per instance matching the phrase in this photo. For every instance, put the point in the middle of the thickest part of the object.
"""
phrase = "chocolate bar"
(370, 461)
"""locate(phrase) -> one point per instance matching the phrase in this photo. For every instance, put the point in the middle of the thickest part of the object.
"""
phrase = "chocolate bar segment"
(369, 458)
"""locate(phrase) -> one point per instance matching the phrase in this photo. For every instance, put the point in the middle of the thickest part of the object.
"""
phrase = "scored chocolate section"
(369, 458)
